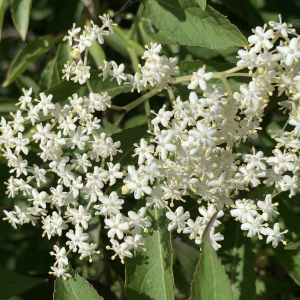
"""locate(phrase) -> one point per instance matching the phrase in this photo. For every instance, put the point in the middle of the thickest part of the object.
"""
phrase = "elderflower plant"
(190, 152)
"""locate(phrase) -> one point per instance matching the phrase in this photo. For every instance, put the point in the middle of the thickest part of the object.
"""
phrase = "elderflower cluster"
(190, 152)
(156, 71)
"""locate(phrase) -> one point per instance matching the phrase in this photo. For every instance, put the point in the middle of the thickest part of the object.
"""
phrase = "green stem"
(116, 107)
(232, 70)
(171, 96)
(226, 84)
(119, 31)
(148, 114)
(89, 86)
(135, 23)
(140, 100)
(132, 44)
(239, 74)
(183, 79)
(115, 125)
(134, 60)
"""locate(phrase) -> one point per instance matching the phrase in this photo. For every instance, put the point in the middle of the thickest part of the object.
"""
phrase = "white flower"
(177, 219)
(208, 214)
(261, 38)
(121, 250)
(137, 242)
(200, 78)
(267, 207)
(45, 103)
(254, 226)
(59, 272)
(290, 184)
(72, 33)
(110, 205)
(143, 151)
(243, 208)
(156, 197)
(275, 236)
(283, 28)
(77, 139)
(117, 72)
(76, 239)
(138, 184)
(162, 117)
(26, 99)
(79, 217)
(86, 249)
(117, 226)
(194, 228)
(254, 160)
(60, 257)
(138, 220)
(113, 172)
(82, 72)
(290, 52)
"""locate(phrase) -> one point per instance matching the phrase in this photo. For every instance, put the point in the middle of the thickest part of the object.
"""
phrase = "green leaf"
(49, 75)
(74, 288)
(202, 3)
(20, 12)
(260, 193)
(63, 56)
(149, 275)
(27, 83)
(128, 137)
(97, 53)
(66, 89)
(187, 257)
(135, 121)
(12, 284)
(290, 259)
(295, 244)
(185, 22)
(210, 280)
(2, 11)
(28, 56)
(117, 44)
(150, 34)
(238, 259)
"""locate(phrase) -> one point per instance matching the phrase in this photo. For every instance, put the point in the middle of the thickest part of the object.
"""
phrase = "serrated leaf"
(185, 22)
(202, 3)
(74, 288)
(210, 280)
(29, 55)
(2, 11)
(20, 12)
(238, 259)
(13, 284)
(151, 34)
(66, 89)
(149, 274)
